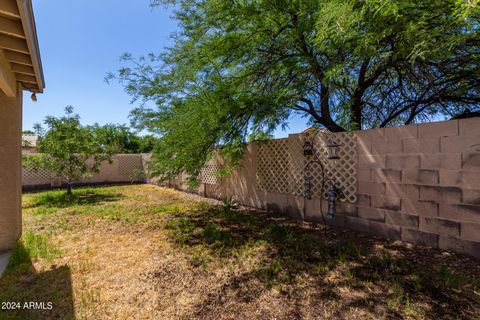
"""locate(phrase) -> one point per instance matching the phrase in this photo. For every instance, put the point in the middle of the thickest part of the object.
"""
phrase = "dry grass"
(144, 252)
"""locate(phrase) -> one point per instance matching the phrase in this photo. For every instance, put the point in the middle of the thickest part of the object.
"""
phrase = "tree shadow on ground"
(82, 197)
(385, 279)
(32, 294)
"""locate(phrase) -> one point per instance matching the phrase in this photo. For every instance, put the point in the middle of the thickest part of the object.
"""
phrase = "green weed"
(200, 256)
(43, 211)
(214, 233)
(179, 229)
(30, 246)
(119, 214)
(450, 279)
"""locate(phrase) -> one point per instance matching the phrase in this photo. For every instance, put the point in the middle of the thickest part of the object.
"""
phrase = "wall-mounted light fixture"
(333, 150)
(307, 148)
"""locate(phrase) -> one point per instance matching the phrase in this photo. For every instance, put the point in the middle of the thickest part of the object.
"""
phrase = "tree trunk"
(356, 113)
(356, 108)
(332, 126)
(327, 120)
(356, 120)
(69, 188)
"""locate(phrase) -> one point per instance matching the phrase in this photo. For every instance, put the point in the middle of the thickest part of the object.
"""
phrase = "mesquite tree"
(67, 149)
(241, 67)
(119, 138)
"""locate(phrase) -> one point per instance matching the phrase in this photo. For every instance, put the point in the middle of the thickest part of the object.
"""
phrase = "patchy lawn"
(146, 252)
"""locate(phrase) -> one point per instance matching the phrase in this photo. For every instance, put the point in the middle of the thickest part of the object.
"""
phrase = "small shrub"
(229, 202)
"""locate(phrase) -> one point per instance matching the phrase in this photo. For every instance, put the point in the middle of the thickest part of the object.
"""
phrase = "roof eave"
(28, 23)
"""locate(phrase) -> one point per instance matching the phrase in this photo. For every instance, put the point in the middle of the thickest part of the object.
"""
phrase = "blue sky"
(81, 41)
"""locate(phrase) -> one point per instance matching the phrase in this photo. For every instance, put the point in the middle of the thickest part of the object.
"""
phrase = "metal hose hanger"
(308, 196)
(308, 151)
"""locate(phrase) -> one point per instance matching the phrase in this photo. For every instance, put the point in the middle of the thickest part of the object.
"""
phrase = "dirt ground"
(145, 252)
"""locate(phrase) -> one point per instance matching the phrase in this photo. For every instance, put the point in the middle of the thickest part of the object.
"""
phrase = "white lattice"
(313, 167)
(273, 166)
(341, 172)
(125, 167)
(209, 174)
(296, 165)
(282, 165)
(130, 165)
(32, 176)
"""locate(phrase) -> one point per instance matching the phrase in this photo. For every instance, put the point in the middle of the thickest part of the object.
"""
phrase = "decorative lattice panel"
(273, 166)
(296, 163)
(210, 173)
(130, 165)
(341, 172)
(314, 167)
(31, 176)
(282, 165)
(124, 166)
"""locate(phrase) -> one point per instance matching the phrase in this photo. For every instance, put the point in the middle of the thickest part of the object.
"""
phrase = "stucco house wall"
(10, 169)
(20, 70)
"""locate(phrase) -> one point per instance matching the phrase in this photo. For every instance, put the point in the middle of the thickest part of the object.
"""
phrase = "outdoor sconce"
(333, 150)
(308, 187)
(307, 148)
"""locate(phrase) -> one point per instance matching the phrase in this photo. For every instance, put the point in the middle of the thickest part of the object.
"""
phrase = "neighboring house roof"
(313, 129)
(19, 53)
(29, 140)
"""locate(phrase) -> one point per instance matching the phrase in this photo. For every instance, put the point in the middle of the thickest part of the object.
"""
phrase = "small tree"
(119, 138)
(67, 149)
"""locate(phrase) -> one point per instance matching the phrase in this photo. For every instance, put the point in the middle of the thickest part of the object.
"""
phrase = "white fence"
(124, 168)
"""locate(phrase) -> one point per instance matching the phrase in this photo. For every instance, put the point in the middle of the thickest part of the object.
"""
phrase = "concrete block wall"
(420, 184)
(124, 168)
(416, 183)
